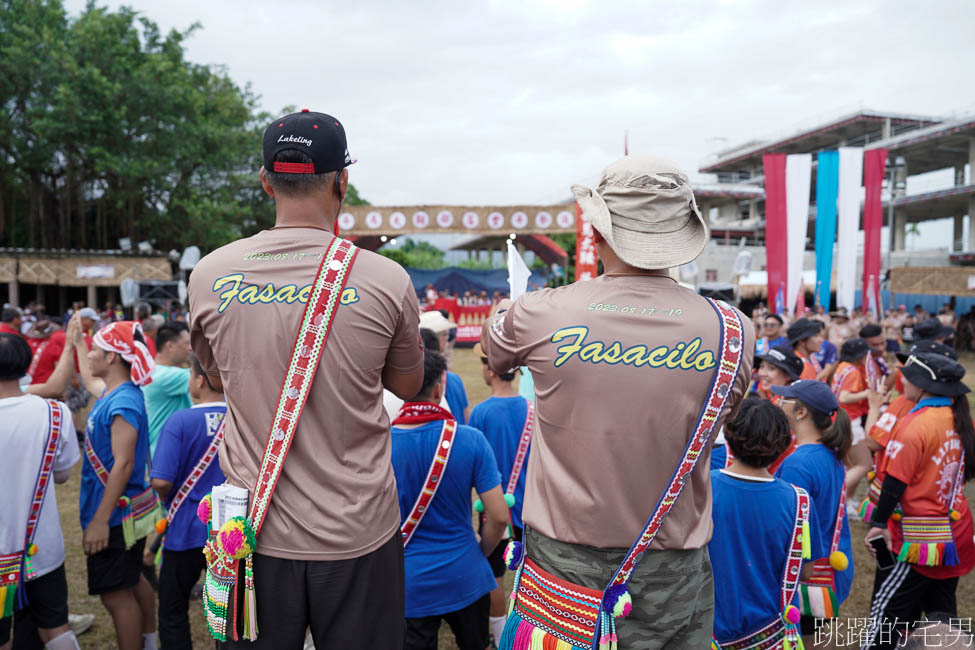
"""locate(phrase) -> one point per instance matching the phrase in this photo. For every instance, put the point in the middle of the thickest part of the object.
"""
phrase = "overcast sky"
(512, 101)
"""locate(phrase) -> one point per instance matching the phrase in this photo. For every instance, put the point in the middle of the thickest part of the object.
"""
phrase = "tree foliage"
(417, 255)
(107, 131)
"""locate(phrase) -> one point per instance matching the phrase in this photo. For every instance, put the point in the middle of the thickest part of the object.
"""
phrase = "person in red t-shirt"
(929, 459)
(849, 384)
(11, 319)
(805, 337)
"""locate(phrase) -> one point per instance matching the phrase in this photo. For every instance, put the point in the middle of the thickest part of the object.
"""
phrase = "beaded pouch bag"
(549, 612)
(229, 598)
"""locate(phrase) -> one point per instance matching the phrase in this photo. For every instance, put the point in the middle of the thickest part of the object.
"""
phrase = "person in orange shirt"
(850, 387)
(806, 336)
(929, 459)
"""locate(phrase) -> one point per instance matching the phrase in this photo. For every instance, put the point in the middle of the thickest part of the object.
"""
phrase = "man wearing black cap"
(932, 330)
(806, 337)
(330, 553)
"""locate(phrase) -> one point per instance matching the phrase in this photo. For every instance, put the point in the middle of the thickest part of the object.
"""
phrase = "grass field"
(102, 635)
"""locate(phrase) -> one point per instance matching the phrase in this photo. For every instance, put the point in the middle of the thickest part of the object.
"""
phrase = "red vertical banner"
(587, 262)
(873, 218)
(776, 237)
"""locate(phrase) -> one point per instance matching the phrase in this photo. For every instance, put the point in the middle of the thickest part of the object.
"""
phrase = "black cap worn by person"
(785, 359)
(931, 329)
(803, 329)
(318, 135)
(853, 350)
(935, 374)
(814, 394)
(931, 347)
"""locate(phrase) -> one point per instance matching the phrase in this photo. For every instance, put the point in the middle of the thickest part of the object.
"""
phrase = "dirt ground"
(102, 634)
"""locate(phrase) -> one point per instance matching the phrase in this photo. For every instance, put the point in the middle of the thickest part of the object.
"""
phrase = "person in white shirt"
(24, 438)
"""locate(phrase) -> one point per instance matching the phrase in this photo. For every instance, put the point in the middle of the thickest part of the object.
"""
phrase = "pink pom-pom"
(203, 510)
(231, 541)
(792, 615)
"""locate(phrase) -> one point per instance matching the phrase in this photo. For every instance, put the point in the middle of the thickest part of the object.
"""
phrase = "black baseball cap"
(803, 329)
(814, 394)
(785, 359)
(932, 347)
(318, 135)
(935, 374)
(932, 329)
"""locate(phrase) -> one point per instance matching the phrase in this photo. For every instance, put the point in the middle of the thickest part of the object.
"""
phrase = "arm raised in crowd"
(57, 383)
(93, 384)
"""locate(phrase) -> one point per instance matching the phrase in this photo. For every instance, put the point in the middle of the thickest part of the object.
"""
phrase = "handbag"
(229, 551)
(545, 609)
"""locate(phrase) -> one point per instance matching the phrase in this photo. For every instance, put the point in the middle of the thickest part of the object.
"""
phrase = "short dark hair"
(759, 433)
(171, 331)
(15, 357)
(298, 185)
(504, 376)
(142, 311)
(776, 317)
(434, 366)
(10, 314)
(430, 340)
(199, 371)
(870, 330)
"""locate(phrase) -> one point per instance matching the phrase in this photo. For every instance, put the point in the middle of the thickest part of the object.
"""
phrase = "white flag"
(518, 272)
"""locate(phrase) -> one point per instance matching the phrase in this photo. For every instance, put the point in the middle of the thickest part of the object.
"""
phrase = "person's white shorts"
(858, 432)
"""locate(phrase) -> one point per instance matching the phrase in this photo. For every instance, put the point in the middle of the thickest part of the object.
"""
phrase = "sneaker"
(80, 623)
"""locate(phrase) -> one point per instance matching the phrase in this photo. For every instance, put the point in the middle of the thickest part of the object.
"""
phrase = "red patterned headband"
(119, 337)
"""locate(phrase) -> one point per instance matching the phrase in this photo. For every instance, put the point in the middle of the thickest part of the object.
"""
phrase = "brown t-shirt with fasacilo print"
(336, 498)
(622, 366)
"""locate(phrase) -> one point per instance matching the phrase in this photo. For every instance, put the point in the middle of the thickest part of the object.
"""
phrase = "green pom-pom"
(510, 500)
(478, 506)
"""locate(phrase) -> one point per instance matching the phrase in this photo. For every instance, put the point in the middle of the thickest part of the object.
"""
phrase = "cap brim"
(479, 351)
(920, 378)
(782, 391)
(778, 364)
(660, 250)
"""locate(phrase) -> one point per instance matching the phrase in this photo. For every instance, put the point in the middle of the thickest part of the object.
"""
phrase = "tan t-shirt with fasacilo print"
(622, 366)
(336, 498)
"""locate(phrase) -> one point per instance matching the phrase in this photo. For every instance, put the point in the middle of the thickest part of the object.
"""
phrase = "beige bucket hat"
(645, 210)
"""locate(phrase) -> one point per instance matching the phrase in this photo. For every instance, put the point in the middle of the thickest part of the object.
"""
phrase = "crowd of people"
(674, 474)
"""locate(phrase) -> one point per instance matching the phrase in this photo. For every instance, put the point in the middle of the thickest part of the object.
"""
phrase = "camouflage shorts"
(672, 591)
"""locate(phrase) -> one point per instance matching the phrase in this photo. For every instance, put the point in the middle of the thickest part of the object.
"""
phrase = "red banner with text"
(587, 262)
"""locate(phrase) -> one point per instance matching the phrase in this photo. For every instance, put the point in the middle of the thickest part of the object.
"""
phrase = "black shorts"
(496, 558)
(115, 568)
(469, 625)
(47, 603)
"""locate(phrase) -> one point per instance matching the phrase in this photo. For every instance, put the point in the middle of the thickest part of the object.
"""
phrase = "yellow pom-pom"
(32, 549)
(955, 515)
(161, 526)
(838, 561)
(870, 475)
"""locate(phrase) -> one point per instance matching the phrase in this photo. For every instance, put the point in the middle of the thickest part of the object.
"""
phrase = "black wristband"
(890, 496)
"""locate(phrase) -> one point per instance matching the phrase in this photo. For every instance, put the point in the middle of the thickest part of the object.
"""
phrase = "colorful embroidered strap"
(817, 366)
(840, 378)
(724, 377)
(316, 322)
(523, 443)
(201, 467)
(55, 418)
(437, 468)
(838, 526)
(96, 463)
(956, 485)
(797, 549)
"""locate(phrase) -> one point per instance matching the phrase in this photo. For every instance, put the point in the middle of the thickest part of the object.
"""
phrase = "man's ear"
(265, 184)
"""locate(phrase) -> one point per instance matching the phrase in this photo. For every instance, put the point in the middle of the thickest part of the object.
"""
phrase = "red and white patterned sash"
(523, 443)
(731, 351)
(838, 526)
(316, 322)
(55, 418)
(793, 563)
(437, 468)
(96, 463)
(840, 378)
(201, 467)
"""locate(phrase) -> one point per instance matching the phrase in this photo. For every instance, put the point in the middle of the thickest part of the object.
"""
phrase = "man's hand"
(877, 396)
(874, 533)
(95, 538)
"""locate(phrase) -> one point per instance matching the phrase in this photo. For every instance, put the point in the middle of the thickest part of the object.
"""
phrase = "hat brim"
(920, 378)
(778, 364)
(655, 250)
(479, 351)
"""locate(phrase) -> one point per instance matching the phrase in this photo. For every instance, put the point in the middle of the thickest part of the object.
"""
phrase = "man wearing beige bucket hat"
(623, 366)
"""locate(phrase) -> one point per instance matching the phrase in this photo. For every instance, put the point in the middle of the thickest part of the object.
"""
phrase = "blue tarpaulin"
(929, 303)
(456, 280)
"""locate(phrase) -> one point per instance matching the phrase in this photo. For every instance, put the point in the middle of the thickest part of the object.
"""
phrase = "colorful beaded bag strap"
(16, 568)
(434, 475)
(237, 538)
(523, 443)
(199, 470)
(541, 610)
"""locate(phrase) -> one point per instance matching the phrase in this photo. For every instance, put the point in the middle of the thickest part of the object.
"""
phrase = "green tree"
(418, 255)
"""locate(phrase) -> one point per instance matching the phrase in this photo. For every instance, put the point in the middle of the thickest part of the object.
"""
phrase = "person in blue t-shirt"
(447, 573)
(183, 441)
(754, 522)
(817, 467)
(169, 390)
(118, 432)
(502, 419)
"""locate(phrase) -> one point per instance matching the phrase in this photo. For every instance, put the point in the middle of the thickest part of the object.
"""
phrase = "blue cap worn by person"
(814, 394)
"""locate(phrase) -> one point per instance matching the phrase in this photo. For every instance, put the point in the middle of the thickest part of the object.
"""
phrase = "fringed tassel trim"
(929, 554)
(519, 634)
(866, 510)
(250, 600)
(8, 595)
